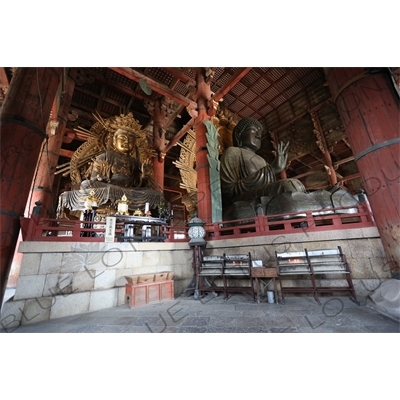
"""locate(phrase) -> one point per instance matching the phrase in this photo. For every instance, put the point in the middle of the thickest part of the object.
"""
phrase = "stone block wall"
(62, 279)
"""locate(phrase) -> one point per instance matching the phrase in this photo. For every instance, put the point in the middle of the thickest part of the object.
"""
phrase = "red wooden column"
(158, 172)
(42, 185)
(159, 142)
(23, 120)
(369, 107)
(202, 97)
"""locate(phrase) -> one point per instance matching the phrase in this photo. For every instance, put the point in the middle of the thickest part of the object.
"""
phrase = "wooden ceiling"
(287, 101)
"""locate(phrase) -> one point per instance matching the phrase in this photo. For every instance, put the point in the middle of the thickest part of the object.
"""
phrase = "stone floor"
(239, 314)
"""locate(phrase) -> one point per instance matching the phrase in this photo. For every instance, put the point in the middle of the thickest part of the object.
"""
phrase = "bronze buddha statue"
(248, 181)
(246, 176)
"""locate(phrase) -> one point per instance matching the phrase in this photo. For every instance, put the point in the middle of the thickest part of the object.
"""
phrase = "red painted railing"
(308, 221)
(59, 230)
(44, 229)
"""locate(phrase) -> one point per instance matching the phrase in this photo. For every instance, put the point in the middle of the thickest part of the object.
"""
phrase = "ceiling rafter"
(117, 86)
(154, 85)
(180, 75)
(232, 82)
(275, 83)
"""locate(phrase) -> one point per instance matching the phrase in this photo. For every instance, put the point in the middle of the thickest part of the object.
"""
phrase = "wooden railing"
(60, 230)
(44, 229)
(308, 221)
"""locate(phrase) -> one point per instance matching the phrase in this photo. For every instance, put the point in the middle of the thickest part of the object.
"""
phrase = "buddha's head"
(124, 141)
(247, 134)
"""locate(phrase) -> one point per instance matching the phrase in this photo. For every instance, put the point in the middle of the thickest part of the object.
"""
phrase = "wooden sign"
(110, 229)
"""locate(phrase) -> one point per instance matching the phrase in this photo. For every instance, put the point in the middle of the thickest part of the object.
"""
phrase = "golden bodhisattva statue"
(113, 163)
(120, 165)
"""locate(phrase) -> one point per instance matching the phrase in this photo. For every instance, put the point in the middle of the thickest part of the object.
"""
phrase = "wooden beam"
(344, 140)
(176, 198)
(314, 171)
(66, 153)
(172, 118)
(235, 78)
(350, 177)
(80, 136)
(174, 177)
(319, 186)
(178, 136)
(344, 161)
(156, 86)
(298, 159)
(317, 158)
(175, 190)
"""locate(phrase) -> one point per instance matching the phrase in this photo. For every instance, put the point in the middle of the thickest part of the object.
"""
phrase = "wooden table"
(264, 275)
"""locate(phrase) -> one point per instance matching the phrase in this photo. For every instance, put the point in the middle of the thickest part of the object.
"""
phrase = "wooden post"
(158, 172)
(43, 188)
(369, 108)
(23, 120)
(159, 142)
(42, 185)
(202, 97)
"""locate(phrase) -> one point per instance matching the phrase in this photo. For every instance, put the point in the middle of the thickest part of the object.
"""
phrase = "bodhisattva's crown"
(125, 122)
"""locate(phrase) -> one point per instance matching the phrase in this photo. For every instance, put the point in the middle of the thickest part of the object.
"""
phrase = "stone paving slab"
(238, 314)
(382, 329)
(196, 321)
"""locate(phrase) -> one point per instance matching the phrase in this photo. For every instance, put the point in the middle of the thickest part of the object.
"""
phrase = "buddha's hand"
(280, 161)
(99, 177)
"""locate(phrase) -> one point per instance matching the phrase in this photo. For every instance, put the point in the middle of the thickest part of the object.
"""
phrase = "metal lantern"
(89, 214)
(91, 201)
(196, 231)
(123, 205)
(138, 213)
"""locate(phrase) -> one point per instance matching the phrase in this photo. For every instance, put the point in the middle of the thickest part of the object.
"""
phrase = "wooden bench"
(313, 265)
(229, 268)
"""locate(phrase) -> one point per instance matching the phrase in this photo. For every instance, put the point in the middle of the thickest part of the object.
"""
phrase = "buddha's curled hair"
(241, 126)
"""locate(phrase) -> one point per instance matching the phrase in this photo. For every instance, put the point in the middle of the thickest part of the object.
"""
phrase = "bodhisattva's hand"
(280, 161)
